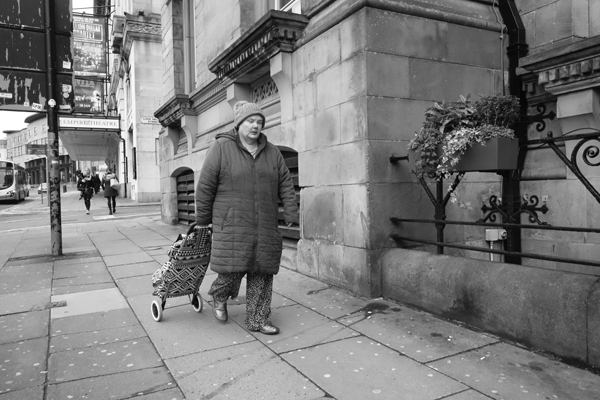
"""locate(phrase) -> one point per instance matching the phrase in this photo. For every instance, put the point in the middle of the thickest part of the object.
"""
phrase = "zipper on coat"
(256, 218)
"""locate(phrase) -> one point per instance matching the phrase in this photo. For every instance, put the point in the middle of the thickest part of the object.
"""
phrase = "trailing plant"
(450, 128)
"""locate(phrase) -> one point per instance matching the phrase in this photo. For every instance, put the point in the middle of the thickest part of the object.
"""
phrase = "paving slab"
(24, 301)
(157, 250)
(131, 270)
(101, 360)
(117, 248)
(82, 288)
(135, 286)
(128, 258)
(170, 394)
(23, 364)
(93, 322)
(182, 331)
(25, 283)
(24, 326)
(13, 269)
(99, 337)
(30, 393)
(242, 371)
(415, 334)
(359, 368)
(300, 327)
(78, 261)
(78, 269)
(84, 279)
(502, 371)
(467, 395)
(161, 258)
(88, 303)
(70, 250)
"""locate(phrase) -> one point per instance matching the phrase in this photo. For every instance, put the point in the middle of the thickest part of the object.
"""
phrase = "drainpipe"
(124, 169)
(517, 48)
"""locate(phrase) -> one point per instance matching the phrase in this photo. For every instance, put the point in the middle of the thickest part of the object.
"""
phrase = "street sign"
(150, 120)
(36, 149)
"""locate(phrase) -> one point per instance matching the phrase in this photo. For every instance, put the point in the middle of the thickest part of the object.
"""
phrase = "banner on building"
(88, 96)
(89, 45)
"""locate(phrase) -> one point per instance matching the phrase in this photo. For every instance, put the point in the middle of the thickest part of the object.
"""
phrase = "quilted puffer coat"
(238, 194)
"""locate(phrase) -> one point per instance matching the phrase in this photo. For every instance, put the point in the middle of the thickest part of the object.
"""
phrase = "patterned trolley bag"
(182, 275)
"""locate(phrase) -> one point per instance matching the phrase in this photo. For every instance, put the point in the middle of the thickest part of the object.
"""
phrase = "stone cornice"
(568, 68)
(170, 113)
(206, 97)
(275, 32)
(140, 28)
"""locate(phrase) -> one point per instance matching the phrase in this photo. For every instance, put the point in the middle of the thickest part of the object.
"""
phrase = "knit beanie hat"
(244, 109)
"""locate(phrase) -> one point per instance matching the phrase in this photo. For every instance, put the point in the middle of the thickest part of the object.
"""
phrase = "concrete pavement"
(79, 326)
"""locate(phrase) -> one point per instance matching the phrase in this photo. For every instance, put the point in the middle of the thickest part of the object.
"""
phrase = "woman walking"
(85, 184)
(109, 193)
(240, 183)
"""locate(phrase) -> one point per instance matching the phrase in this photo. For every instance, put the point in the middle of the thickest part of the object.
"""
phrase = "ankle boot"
(220, 310)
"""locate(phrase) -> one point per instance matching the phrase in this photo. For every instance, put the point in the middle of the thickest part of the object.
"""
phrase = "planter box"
(498, 154)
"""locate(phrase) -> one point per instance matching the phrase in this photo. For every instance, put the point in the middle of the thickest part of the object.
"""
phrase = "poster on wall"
(89, 45)
(88, 96)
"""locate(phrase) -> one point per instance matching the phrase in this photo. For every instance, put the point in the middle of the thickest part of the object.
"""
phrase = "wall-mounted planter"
(498, 154)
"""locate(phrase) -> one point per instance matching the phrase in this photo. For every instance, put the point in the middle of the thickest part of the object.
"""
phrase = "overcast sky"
(13, 120)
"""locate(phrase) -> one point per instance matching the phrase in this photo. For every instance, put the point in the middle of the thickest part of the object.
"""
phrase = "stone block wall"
(360, 92)
(553, 23)
(549, 310)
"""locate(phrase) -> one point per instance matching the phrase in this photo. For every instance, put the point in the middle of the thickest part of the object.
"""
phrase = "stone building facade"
(135, 93)
(344, 85)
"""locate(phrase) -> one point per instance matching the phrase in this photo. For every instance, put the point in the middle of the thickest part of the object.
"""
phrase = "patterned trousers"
(259, 290)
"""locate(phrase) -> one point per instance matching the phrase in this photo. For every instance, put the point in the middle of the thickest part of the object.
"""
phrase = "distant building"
(23, 147)
(3, 149)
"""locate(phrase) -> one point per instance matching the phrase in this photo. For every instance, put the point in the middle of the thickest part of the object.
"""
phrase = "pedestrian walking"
(96, 183)
(110, 186)
(85, 184)
(241, 180)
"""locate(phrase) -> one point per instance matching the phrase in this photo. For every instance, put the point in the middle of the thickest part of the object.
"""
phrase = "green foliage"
(455, 126)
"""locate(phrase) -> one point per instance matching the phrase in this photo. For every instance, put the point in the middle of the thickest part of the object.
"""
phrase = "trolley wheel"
(197, 302)
(157, 310)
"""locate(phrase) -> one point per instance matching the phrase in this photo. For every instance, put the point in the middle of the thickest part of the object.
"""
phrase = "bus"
(13, 182)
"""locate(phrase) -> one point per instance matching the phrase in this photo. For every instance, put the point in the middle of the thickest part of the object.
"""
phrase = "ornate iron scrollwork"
(529, 206)
(539, 118)
(589, 152)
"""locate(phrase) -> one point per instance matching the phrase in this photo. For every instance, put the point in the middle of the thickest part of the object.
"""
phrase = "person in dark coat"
(109, 193)
(96, 183)
(85, 184)
(241, 180)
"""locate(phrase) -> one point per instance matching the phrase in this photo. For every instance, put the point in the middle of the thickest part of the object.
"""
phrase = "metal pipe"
(502, 252)
(496, 225)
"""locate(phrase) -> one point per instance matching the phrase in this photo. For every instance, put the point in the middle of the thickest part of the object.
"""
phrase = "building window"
(288, 5)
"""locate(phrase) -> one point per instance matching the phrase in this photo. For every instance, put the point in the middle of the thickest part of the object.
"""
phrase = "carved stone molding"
(567, 68)
(206, 97)
(246, 59)
(140, 27)
(171, 113)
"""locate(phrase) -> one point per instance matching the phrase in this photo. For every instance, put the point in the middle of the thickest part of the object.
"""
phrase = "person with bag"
(241, 180)
(85, 184)
(110, 185)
